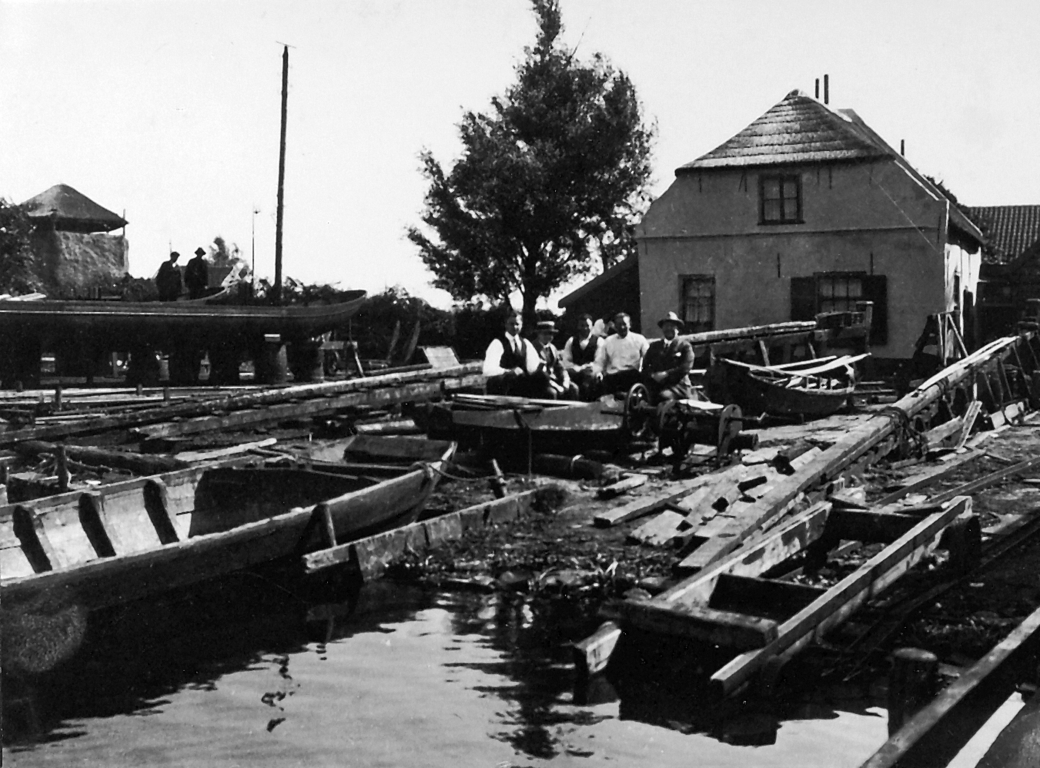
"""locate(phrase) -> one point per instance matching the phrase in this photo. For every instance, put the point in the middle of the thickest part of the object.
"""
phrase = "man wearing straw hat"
(667, 363)
(551, 380)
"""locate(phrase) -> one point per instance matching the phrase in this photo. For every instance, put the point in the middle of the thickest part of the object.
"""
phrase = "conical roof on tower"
(72, 211)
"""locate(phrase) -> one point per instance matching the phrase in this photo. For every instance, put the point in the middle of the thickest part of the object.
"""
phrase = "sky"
(169, 110)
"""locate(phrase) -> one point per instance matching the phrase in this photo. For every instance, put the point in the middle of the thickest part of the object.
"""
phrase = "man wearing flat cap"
(551, 380)
(196, 275)
(168, 279)
(667, 363)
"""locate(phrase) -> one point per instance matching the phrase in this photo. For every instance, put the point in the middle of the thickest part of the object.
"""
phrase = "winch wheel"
(636, 421)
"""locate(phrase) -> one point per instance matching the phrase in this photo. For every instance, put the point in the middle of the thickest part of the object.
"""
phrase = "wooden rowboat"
(809, 390)
(158, 322)
(147, 536)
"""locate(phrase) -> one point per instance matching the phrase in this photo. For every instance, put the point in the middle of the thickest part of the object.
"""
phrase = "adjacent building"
(1010, 274)
(72, 242)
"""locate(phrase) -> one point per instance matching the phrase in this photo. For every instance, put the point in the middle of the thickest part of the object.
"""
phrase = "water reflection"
(299, 652)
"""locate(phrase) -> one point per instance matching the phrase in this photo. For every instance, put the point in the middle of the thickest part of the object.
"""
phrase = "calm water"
(253, 676)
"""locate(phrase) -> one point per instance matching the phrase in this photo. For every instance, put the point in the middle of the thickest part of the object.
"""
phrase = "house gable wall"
(869, 217)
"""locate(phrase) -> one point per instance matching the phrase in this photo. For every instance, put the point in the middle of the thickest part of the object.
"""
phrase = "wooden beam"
(762, 597)
(726, 628)
(141, 463)
(371, 555)
(841, 600)
(927, 477)
(650, 503)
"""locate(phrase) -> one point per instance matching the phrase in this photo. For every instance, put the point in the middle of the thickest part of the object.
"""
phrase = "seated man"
(620, 356)
(579, 354)
(667, 363)
(551, 380)
(510, 361)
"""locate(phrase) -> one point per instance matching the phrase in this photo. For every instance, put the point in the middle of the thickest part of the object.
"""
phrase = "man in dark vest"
(667, 363)
(168, 279)
(551, 380)
(510, 361)
(196, 275)
(579, 353)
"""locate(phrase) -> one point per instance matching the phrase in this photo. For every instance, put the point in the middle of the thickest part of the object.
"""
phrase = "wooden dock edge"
(939, 731)
(370, 556)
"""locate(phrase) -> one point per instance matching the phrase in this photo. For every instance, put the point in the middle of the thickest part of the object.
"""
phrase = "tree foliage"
(550, 178)
(17, 264)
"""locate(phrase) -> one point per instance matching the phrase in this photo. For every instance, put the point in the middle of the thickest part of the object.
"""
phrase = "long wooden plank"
(844, 597)
(649, 503)
(313, 407)
(937, 732)
(927, 477)
(371, 555)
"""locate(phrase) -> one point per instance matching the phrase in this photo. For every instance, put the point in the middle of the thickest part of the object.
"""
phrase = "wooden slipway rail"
(1002, 375)
(293, 401)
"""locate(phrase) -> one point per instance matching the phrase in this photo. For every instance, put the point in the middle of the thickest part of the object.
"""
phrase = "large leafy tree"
(552, 177)
(17, 265)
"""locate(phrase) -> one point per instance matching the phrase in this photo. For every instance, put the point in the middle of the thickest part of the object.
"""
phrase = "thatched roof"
(799, 129)
(72, 211)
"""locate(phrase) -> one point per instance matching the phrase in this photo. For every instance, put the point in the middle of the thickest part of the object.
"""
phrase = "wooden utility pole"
(277, 288)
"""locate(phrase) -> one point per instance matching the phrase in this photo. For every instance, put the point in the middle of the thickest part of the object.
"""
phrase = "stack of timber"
(259, 406)
(142, 537)
(784, 522)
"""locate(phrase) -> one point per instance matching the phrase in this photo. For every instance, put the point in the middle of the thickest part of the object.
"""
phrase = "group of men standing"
(589, 365)
(196, 277)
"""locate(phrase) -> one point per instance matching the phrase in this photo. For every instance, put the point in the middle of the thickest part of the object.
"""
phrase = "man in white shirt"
(510, 360)
(619, 356)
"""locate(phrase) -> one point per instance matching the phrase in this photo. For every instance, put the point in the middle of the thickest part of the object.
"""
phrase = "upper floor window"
(780, 199)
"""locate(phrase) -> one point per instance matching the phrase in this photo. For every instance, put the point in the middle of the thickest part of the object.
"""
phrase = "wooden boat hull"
(569, 428)
(150, 535)
(730, 382)
(158, 323)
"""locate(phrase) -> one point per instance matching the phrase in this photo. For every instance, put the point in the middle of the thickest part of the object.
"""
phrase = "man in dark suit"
(667, 363)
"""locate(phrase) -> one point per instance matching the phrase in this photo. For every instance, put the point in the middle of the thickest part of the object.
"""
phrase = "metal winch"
(681, 424)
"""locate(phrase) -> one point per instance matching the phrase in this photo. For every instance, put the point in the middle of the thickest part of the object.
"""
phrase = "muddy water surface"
(399, 677)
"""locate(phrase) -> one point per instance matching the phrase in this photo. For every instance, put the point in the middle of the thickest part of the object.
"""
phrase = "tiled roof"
(1010, 229)
(72, 211)
(798, 129)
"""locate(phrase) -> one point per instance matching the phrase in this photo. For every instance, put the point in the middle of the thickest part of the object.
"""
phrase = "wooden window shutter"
(875, 289)
(803, 298)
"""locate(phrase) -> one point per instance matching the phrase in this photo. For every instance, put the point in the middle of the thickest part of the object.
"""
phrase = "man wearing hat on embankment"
(551, 380)
(196, 275)
(667, 363)
(168, 279)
